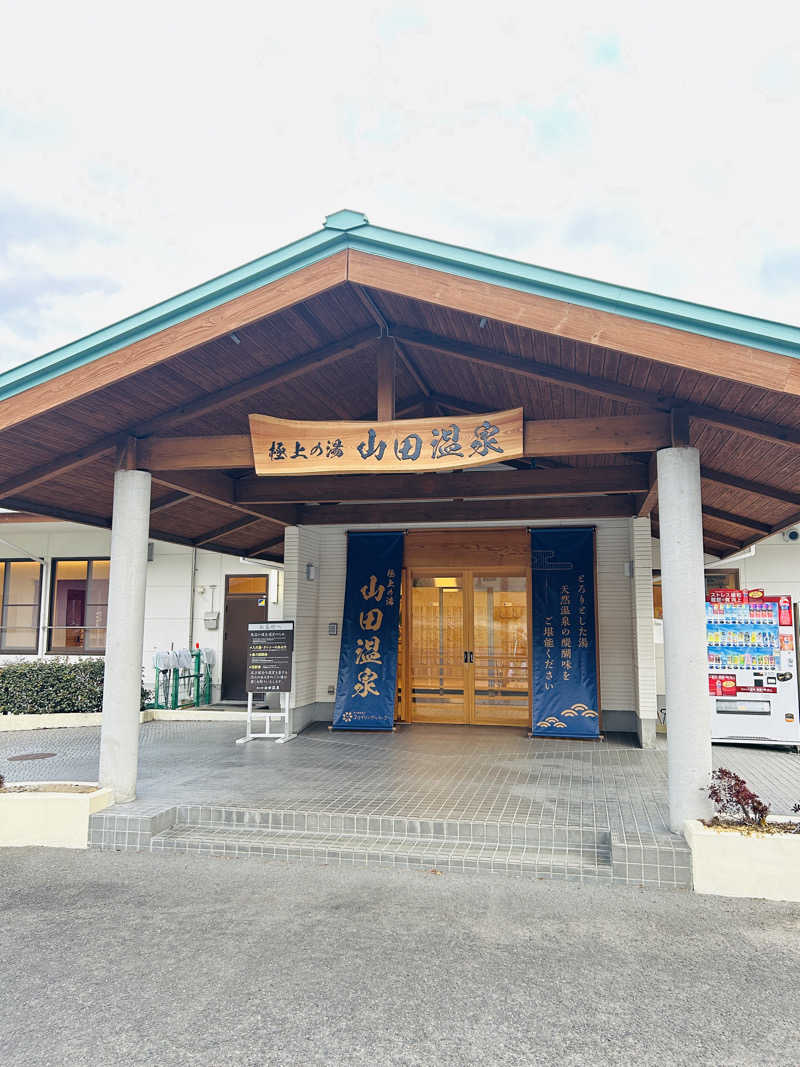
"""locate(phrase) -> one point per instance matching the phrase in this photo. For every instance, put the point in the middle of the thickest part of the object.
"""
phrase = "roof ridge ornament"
(345, 220)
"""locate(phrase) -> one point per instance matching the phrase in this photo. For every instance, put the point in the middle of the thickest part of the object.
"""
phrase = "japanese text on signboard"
(285, 447)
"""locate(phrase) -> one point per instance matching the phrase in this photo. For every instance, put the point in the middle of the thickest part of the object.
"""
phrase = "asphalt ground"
(126, 958)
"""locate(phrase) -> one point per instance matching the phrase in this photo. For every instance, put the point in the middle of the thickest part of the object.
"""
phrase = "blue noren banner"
(565, 689)
(367, 681)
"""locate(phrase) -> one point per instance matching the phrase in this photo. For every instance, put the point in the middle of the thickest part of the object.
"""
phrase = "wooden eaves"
(355, 320)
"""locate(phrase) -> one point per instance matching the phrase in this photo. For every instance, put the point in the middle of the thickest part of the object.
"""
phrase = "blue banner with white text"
(367, 681)
(565, 689)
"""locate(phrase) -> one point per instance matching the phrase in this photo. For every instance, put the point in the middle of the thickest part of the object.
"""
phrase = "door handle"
(466, 656)
(471, 658)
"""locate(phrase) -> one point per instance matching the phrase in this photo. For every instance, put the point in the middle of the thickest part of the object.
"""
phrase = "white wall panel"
(644, 660)
(301, 600)
(614, 611)
(775, 568)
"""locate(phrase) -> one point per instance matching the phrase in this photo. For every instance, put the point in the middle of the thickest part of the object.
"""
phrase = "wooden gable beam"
(169, 501)
(722, 547)
(139, 355)
(651, 496)
(387, 380)
(203, 405)
(413, 403)
(736, 520)
(46, 511)
(218, 488)
(529, 368)
(50, 512)
(375, 312)
(45, 471)
(279, 375)
(229, 528)
(665, 344)
(265, 546)
(727, 544)
(773, 492)
(568, 481)
(720, 539)
(220, 452)
(457, 404)
(466, 511)
(610, 434)
(776, 528)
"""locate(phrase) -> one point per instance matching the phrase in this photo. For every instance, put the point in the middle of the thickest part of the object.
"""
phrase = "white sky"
(147, 147)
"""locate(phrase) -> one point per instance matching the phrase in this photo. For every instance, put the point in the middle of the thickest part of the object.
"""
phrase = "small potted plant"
(743, 851)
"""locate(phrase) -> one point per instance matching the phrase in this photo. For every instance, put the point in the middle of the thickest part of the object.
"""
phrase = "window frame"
(83, 651)
(17, 651)
(732, 574)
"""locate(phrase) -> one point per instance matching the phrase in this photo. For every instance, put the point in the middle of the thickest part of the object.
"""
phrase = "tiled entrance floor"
(448, 797)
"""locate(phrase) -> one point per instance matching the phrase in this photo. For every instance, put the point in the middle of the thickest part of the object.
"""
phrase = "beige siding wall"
(642, 622)
(301, 603)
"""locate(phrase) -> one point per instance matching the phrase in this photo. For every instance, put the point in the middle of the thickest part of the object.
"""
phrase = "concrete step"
(394, 851)
(477, 831)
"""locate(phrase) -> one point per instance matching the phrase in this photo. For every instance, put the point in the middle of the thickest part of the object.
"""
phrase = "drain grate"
(32, 755)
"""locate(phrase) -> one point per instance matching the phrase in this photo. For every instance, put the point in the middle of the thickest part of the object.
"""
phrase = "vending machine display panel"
(752, 667)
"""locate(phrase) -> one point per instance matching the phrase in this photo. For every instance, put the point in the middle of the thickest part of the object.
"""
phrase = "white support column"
(119, 736)
(685, 660)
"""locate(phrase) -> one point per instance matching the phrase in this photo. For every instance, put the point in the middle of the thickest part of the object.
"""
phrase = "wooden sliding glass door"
(468, 648)
(438, 660)
(501, 668)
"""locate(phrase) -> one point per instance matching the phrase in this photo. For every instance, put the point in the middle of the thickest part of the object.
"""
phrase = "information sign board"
(269, 657)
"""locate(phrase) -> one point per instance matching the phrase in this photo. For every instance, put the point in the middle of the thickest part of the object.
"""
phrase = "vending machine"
(752, 668)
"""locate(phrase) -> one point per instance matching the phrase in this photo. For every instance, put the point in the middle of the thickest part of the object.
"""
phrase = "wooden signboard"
(285, 446)
(269, 657)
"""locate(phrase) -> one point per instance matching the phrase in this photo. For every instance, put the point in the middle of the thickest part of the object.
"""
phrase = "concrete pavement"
(123, 958)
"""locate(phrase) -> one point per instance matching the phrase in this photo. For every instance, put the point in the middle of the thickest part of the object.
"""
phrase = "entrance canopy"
(355, 322)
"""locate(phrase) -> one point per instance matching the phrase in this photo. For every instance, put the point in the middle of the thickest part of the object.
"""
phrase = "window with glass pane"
(20, 592)
(79, 607)
(239, 584)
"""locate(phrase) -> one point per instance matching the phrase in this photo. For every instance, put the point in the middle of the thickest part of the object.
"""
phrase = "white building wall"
(170, 620)
(315, 604)
(775, 568)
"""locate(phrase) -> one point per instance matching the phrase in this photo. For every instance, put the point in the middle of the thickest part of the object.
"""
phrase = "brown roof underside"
(347, 389)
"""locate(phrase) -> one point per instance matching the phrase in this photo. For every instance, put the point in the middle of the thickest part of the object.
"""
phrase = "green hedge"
(50, 686)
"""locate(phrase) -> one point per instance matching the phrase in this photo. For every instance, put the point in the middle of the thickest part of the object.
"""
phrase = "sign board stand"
(269, 716)
(269, 670)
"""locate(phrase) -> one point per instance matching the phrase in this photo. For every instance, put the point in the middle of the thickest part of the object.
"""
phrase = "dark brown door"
(245, 602)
